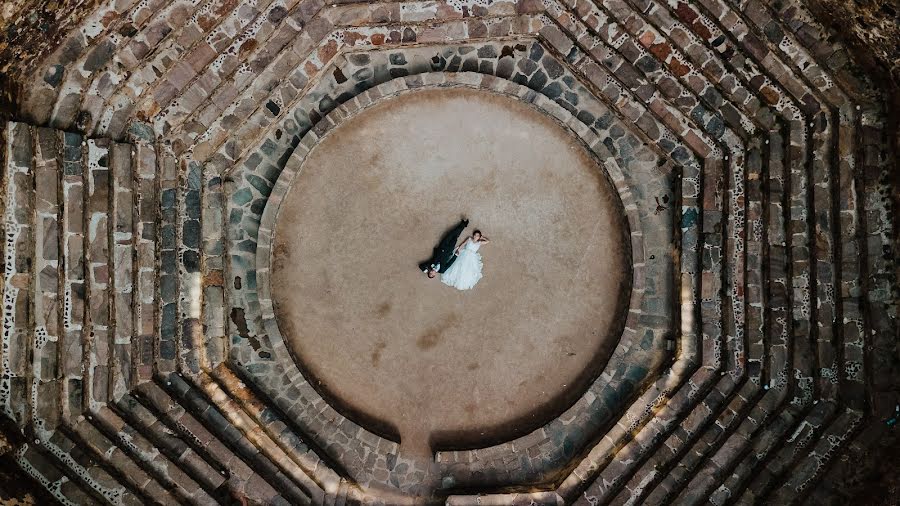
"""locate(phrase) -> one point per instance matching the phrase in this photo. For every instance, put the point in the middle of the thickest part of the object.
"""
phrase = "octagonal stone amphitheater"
(213, 211)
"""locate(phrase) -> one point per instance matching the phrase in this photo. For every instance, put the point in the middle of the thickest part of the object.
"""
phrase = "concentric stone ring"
(213, 212)
(405, 355)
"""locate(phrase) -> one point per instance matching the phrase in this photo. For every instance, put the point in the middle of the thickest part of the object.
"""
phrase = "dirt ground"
(406, 355)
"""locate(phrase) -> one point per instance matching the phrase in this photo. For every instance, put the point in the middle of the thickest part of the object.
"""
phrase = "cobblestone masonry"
(141, 359)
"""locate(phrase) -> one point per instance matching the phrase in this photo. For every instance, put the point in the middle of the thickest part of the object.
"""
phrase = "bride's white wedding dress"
(466, 270)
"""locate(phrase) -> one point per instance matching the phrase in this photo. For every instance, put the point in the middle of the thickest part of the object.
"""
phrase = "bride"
(465, 272)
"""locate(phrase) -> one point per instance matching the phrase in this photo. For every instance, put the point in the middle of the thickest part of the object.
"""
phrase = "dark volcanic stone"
(191, 260)
(552, 90)
(487, 51)
(99, 56)
(54, 75)
(191, 234)
(553, 68)
(505, 68)
(470, 65)
(359, 59)
(538, 80)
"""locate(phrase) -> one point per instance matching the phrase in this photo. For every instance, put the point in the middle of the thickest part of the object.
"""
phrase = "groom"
(443, 256)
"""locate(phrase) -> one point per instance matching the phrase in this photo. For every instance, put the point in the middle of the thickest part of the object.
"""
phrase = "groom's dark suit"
(443, 256)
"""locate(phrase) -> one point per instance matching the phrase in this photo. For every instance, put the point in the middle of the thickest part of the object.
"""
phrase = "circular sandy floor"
(400, 353)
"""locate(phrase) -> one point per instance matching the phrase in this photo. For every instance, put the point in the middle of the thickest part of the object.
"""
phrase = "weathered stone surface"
(753, 155)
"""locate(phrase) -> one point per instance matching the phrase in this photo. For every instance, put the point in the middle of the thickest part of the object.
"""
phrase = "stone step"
(627, 85)
(752, 477)
(674, 458)
(287, 69)
(775, 293)
(878, 215)
(98, 325)
(134, 36)
(108, 340)
(668, 17)
(753, 446)
(844, 146)
(48, 295)
(736, 307)
(73, 234)
(600, 456)
(668, 481)
(824, 345)
(164, 49)
(260, 476)
(239, 25)
(627, 56)
(68, 111)
(706, 29)
(109, 209)
(213, 226)
(654, 469)
(55, 158)
(122, 275)
(800, 436)
(173, 442)
(50, 473)
(324, 478)
(814, 463)
(286, 456)
(280, 24)
(849, 459)
(710, 62)
(795, 44)
(828, 151)
(821, 312)
(778, 447)
(716, 472)
(672, 484)
(710, 441)
(178, 471)
(732, 452)
(849, 332)
(40, 103)
(181, 431)
(90, 472)
(18, 271)
(58, 163)
(614, 475)
(167, 278)
(146, 230)
(853, 342)
(186, 122)
(121, 465)
(189, 331)
(688, 55)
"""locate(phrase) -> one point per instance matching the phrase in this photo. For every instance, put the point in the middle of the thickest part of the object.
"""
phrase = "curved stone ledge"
(272, 152)
(405, 85)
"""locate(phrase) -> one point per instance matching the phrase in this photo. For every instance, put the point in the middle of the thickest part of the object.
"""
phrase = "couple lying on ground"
(459, 266)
